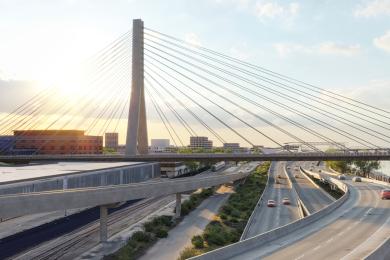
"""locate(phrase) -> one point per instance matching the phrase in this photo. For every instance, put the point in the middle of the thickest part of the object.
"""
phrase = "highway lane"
(351, 231)
(313, 198)
(265, 218)
(348, 237)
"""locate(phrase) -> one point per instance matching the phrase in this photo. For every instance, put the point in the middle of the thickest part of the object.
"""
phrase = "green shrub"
(149, 227)
(141, 236)
(162, 220)
(188, 252)
(197, 241)
(160, 232)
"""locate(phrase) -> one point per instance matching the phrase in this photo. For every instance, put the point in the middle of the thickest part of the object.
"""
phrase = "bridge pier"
(178, 205)
(137, 136)
(103, 223)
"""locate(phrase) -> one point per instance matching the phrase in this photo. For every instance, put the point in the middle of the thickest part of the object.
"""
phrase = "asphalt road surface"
(266, 218)
(313, 198)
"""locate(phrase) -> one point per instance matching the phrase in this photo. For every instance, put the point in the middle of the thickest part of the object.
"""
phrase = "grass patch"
(157, 228)
(231, 220)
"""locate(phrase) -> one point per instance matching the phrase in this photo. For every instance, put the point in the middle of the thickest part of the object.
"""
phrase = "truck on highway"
(218, 166)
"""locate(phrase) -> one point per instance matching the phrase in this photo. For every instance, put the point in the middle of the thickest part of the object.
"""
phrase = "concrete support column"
(178, 205)
(103, 223)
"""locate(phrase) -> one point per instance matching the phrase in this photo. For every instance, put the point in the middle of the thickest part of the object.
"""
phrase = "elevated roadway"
(282, 156)
(37, 202)
(265, 218)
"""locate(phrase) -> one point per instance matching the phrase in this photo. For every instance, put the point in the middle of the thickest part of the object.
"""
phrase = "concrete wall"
(257, 241)
(114, 176)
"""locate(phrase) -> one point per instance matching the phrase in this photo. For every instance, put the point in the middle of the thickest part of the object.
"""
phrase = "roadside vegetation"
(337, 193)
(228, 225)
(157, 228)
(360, 168)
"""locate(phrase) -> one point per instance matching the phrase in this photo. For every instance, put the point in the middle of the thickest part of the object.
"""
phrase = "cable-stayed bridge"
(147, 83)
(189, 90)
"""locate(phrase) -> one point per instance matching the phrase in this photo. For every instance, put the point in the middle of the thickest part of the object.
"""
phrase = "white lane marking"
(369, 238)
(340, 233)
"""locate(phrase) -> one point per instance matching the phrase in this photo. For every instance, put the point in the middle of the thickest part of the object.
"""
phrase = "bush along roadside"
(337, 193)
(229, 223)
(157, 228)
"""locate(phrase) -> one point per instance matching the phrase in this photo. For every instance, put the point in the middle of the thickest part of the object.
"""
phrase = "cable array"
(274, 106)
(195, 91)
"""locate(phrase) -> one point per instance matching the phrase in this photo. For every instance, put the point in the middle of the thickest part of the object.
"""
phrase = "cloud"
(373, 8)
(325, 48)
(383, 42)
(339, 49)
(272, 10)
(192, 38)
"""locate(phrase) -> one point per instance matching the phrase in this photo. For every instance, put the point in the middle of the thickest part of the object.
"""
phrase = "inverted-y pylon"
(137, 135)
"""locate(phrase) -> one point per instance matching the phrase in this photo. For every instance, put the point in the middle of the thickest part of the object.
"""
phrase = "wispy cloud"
(383, 42)
(339, 48)
(373, 8)
(270, 10)
(325, 48)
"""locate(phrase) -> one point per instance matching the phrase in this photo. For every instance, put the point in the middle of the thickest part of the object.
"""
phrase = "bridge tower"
(137, 135)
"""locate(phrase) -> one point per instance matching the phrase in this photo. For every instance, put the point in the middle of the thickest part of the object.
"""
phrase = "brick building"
(58, 141)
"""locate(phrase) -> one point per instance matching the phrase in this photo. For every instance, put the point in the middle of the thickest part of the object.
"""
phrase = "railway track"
(66, 247)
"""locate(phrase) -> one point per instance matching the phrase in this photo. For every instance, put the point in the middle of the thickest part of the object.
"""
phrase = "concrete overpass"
(287, 156)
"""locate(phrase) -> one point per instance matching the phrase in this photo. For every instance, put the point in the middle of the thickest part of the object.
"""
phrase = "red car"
(286, 201)
(385, 194)
(271, 203)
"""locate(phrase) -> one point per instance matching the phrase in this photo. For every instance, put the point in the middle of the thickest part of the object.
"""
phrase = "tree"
(365, 167)
(340, 166)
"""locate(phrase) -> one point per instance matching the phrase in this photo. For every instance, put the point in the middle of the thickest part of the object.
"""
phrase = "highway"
(312, 197)
(265, 218)
(351, 231)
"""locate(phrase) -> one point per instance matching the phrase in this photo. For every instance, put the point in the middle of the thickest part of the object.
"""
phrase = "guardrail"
(249, 223)
(260, 240)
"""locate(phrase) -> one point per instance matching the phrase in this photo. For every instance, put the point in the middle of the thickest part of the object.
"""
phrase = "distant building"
(202, 142)
(158, 145)
(111, 140)
(233, 146)
(58, 142)
(7, 143)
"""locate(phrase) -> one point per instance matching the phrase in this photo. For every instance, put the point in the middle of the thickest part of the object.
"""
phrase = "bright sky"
(338, 45)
